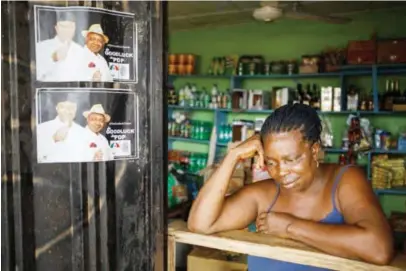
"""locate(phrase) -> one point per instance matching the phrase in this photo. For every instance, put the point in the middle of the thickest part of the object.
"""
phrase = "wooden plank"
(261, 245)
(171, 253)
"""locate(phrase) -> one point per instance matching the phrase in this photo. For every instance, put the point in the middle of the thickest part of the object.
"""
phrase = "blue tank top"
(265, 264)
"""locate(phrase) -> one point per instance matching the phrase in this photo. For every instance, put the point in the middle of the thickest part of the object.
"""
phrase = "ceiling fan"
(273, 10)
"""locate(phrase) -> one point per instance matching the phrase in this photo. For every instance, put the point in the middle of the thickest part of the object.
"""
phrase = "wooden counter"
(268, 247)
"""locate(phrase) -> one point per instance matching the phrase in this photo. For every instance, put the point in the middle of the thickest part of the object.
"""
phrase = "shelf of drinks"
(174, 76)
(374, 151)
(391, 191)
(381, 68)
(337, 150)
(345, 70)
(189, 140)
(269, 111)
(288, 76)
(178, 107)
(245, 111)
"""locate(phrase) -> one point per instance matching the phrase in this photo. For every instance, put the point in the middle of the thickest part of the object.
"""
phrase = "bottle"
(169, 128)
(396, 91)
(228, 99)
(230, 133)
(352, 99)
(181, 97)
(306, 95)
(193, 129)
(363, 105)
(201, 131)
(315, 100)
(221, 66)
(207, 131)
(214, 92)
(342, 159)
(240, 68)
(206, 98)
(300, 92)
(388, 97)
(187, 128)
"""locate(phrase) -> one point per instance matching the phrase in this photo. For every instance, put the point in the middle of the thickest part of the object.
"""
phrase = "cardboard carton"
(206, 259)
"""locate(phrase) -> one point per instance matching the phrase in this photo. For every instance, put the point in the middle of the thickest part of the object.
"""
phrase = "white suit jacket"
(68, 150)
(92, 63)
(69, 69)
(95, 142)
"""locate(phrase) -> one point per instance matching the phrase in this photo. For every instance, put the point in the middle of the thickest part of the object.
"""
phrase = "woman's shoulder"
(343, 175)
(264, 189)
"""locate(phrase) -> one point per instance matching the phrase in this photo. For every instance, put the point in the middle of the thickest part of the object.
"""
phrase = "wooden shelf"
(268, 246)
(189, 140)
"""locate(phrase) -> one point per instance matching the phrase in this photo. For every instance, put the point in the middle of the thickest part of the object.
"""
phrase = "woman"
(327, 206)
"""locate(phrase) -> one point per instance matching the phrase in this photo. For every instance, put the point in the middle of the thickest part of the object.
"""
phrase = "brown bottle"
(388, 97)
(342, 159)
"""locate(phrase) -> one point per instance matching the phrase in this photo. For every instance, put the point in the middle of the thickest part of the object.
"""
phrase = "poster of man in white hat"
(97, 147)
(58, 55)
(58, 140)
(87, 44)
(86, 125)
(96, 67)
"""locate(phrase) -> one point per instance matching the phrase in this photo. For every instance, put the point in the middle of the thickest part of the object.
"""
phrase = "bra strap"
(275, 198)
(336, 182)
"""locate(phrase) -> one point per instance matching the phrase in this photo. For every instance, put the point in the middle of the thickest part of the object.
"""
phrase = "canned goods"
(378, 143)
(385, 140)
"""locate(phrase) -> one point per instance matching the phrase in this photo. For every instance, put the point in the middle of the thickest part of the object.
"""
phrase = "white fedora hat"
(97, 109)
(95, 28)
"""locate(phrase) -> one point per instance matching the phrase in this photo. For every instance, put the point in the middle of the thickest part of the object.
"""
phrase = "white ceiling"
(199, 14)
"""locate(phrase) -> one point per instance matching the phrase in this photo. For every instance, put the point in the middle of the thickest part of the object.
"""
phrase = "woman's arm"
(212, 211)
(366, 236)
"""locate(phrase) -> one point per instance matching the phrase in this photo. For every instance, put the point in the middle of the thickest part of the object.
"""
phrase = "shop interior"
(230, 64)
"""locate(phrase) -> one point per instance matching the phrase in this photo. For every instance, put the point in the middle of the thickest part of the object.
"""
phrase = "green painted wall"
(290, 39)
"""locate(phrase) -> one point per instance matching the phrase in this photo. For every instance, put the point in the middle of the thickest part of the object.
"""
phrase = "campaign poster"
(85, 44)
(86, 125)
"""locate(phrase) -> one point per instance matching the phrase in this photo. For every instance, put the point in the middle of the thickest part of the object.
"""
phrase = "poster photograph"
(86, 125)
(85, 44)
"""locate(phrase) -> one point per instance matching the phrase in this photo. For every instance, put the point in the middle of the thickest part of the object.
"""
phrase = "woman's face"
(290, 160)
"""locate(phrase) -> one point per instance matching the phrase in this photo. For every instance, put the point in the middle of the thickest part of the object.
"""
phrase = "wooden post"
(171, 253)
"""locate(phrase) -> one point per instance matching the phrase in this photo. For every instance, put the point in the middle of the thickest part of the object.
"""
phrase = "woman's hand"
(274, 223)
(249, 148)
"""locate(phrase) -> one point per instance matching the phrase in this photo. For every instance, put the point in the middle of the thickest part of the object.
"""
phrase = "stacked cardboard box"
(206, 259)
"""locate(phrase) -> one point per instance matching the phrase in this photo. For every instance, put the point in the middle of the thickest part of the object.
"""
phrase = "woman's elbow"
(382, 252)
(197, 228)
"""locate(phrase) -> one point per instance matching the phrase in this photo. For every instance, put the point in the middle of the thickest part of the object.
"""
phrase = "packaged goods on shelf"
(177, 192)
(191, 96)
(182, 64)
(388, 173)
(224, 65)
(189, 161)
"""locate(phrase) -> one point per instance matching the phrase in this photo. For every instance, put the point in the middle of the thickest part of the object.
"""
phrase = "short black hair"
(292, 117)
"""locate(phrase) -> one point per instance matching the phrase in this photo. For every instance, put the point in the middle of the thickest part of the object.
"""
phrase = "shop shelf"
(177, 107)
(246, 111)
(190, 140)
(334, 150)
(376, 151)
(222, 144)
(288, 76)
(174, 76)
(391, 191)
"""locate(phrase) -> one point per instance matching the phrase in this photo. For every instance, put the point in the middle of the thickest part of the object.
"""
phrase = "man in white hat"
(95, 65)
(59, 140)
(97, 146)
(57, 59)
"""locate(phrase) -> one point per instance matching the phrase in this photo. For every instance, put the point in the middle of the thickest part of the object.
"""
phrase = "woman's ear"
(315, 150)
